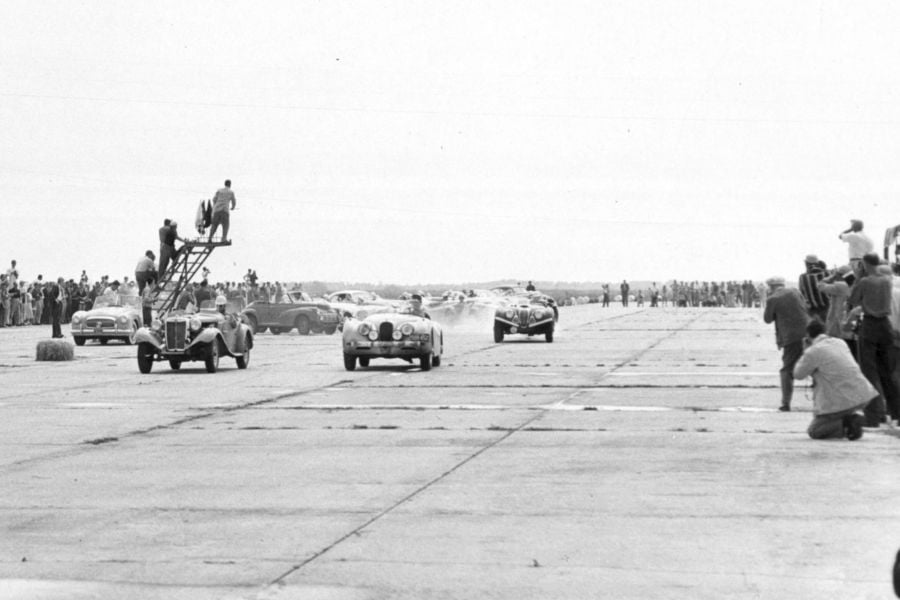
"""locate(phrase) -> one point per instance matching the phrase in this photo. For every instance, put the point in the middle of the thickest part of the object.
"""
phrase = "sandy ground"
(638, 456)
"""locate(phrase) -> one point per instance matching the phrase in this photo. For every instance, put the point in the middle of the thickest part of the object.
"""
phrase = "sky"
(425, 142)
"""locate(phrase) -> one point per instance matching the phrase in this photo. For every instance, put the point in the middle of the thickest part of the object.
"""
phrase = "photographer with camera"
(840, 389)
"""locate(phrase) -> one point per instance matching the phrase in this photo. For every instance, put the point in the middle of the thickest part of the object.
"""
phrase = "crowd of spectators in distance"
(24, 303)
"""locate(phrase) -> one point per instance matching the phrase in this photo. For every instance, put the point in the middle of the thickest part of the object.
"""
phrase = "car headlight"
(122, 320)
(364, 329)
(407, 329)
(156, 325)
(77, 318)
(510, 313)
(538, 314)
(397, 335)
(196, 324)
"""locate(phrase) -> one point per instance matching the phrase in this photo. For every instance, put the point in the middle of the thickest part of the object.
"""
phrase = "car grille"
(103, 323)
(523, 316)
(386, 332)
(176, 335)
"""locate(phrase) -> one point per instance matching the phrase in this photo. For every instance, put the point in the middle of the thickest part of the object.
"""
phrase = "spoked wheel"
(145, 354)
(212, 357)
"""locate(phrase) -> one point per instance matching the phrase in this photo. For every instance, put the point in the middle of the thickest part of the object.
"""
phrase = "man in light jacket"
(840, 391)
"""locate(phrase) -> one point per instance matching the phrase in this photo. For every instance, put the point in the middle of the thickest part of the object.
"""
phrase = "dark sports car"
(294, 310)
(533, 314)
(189, 336)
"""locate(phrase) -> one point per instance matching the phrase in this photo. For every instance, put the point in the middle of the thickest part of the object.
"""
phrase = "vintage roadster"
(528, 315)
(293, 310)
(112, 317)
(359, 303)
(396, 334)
(190, 336)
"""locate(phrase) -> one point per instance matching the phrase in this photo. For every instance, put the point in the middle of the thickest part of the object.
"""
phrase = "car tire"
(349, 362)
(549, 336)
(175, 363)
(104, 341)
(262, 329)
(275, 330)
(302, 325)
(331, 329)
(498, 334)
(252, 323)
(145, 354)
(364, 361)
(425, 361)
(79, 340)
(212, 357)
(244, 359)
(436, 360)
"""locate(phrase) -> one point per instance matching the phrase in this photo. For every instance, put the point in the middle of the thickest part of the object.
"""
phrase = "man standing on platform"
(223, 203)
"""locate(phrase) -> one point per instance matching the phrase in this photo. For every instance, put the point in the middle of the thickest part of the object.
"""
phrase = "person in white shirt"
(858, 244)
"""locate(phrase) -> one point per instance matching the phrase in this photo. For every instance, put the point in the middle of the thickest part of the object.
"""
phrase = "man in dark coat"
(787, 309)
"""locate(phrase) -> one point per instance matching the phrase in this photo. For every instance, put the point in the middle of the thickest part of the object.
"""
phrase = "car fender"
(148, 336)
(209, 335)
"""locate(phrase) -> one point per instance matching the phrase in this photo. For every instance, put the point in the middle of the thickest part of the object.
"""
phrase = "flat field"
(640, 455)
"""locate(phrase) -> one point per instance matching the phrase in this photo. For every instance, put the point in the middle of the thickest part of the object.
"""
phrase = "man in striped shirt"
(816, 301)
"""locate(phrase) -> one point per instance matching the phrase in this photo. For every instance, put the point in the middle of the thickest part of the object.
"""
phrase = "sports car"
(293, 310)
(203, 335)
(527, 315)
(113, 317)
(395, 334)
(359, 303)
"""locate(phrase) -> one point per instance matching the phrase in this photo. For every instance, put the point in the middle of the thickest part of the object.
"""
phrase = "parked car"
(526, 315)
(112, 317)
(202, 335)
(395, 334)
(294, 310)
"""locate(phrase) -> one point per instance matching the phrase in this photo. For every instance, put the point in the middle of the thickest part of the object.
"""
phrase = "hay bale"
(55, 350)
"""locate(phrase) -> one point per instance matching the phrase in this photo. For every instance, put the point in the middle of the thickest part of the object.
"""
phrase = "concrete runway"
(638, 456)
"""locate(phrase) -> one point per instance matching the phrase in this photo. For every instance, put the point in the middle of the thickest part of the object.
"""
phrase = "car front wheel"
(302, 325)
(212, 357)
(364, 361)
(549, 336)
(244, 359)
(79, 340)
(349, 362)
(425, 361)
(145, 354)
(498, 334)
(175, 363)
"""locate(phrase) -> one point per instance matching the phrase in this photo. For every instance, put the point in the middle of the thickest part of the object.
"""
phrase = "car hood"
(109, 311)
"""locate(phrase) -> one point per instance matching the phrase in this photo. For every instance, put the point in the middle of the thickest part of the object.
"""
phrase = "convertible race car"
(359, 303)
(529, 315)
(293, 310)
(113, 317)
(396, 334)
(189, 336)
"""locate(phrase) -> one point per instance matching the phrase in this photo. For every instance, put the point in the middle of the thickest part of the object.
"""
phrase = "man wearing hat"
(787, 309)
(145, 270)
(816, 302)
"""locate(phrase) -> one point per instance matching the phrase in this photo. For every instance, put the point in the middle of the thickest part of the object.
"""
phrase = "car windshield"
(113, 300)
